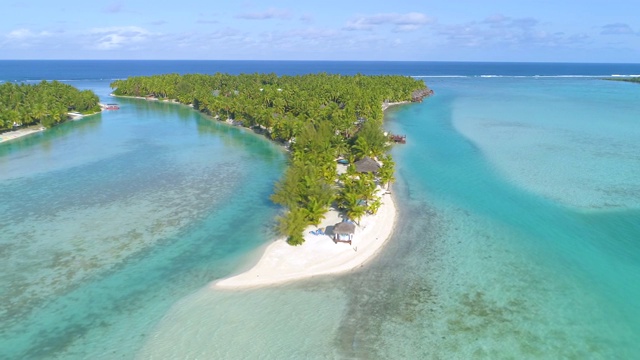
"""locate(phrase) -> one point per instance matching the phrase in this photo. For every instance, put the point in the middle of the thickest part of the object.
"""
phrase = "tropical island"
(626, 79)
(41, 106)
(338, 165)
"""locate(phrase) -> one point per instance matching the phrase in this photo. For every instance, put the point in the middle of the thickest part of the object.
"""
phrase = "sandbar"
(319, 255)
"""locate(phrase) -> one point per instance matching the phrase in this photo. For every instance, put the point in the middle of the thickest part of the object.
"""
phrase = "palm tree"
(361, 148)
(386, 171)
(286, 190)
(356, 213)
(292, 225)
(315, 113)
(348, 200)
(314, 211)
(39, 112)
(374, 206)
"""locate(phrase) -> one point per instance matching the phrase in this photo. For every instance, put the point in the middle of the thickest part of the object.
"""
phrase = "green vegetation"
(629, 79)
(45, 103)
(319, 117)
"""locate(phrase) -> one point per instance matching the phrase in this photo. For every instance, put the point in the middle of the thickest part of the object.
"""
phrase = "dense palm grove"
(629, 79)
(320, 117)
(45, 103)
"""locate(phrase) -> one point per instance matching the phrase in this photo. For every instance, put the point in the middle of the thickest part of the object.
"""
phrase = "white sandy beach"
(20, 133)
(319, 255)
(387, 105)
(11, 135)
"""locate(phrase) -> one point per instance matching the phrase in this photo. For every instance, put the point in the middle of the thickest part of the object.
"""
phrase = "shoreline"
(16, 134)
(228, 122)
(387, 105)
(33, 129)
(318, 255)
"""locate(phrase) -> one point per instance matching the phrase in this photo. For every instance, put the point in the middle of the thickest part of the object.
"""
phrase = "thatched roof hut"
(343, 232)
(367, 165)
(345, 227)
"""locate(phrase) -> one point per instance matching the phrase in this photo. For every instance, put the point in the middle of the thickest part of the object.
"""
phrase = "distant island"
(320, 118)
(625, 79)
(45, 104)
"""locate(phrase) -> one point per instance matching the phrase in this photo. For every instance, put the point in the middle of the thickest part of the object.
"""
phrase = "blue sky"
(445, 30)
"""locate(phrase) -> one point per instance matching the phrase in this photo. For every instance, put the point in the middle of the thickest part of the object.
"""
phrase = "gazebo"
(343, 232)
(367, 165)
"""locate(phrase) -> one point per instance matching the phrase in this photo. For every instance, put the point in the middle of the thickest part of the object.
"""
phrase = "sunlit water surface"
(485, 261)
(518, 235)
(109, 220)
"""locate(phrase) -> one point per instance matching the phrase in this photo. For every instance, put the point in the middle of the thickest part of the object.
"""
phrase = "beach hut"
(343, 232)
(367, 165)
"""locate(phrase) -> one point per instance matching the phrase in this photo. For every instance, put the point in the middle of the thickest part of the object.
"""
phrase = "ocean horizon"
(517, 235)
(72, 70)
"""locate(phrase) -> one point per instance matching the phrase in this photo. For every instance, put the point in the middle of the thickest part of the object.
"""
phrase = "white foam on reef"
(488, 76)
(439, 76)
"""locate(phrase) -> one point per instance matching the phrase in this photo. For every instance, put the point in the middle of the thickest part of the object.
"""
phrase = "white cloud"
(501, 21)
(24, 38)
(401, 22)
(219, 39)
(496, 19)
(312, 33)
(225, 33)
(500, 30)
(114, 8)
(271, 13)
(19, 34)
(306, 18)
(617, 29)
(116, 37)
(25, 34)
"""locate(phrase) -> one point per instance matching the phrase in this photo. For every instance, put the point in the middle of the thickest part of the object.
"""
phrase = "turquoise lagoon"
(108, 221)
(484, 263)
(518, 234)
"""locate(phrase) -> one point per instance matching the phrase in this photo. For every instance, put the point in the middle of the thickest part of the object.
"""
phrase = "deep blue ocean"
(518, 237)
(21, 70)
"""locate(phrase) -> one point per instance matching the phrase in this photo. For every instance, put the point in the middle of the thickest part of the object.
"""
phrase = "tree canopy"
(626, 79)
(45, 103)
(320, 117)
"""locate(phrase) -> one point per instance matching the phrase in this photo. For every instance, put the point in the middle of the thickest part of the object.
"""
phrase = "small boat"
(343, 161)
(398, 139)
(110, 106)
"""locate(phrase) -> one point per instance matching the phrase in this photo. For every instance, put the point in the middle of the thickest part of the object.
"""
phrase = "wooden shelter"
(367, 165)
(343, 232)
(398, 139)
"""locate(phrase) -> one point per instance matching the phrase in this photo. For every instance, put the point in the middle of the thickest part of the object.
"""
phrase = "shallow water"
(536, 132)
(517, 274)
(480, 265)
(109, 220)
(113, 227)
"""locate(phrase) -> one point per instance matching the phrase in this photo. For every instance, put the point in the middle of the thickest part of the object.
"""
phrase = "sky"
(419, 30)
